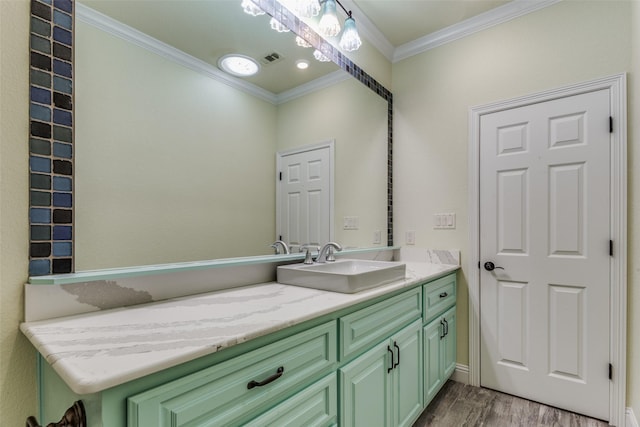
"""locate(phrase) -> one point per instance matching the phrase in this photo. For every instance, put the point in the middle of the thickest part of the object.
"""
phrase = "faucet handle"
(308, 259)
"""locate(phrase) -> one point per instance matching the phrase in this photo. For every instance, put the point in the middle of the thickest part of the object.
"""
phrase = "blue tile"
(39, 267)
(62, 68)
(62, 200)
(63, 36)
(62, 150)
(62, 232)
(62, 249)
(63, 5)
(62, 85)
(61, 183)
(62, 19)
(40, 216)
(40, 164)
(40, 112)
(40, 95)
(62, 117)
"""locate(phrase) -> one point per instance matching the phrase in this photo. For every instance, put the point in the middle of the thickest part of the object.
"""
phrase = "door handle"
(489, 266)
(446, 327)
(442, 335)
(398, 361)
(389, 369)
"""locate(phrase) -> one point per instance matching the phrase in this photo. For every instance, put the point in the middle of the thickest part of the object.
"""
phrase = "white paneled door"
(304, 205)
(544, 247)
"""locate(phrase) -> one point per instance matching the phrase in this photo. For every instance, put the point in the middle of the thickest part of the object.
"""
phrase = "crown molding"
(312, 86)
(489, 19)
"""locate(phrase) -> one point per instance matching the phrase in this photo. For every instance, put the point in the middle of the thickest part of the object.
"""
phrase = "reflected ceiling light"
(307, 8)
(238, 65)
(329, 26)
(278, 26)
(320, 56)
(302, 42)
(251, 8)
(350, 39)
(302, 64)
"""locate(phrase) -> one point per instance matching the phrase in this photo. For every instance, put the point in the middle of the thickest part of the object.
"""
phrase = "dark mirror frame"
(51, 131)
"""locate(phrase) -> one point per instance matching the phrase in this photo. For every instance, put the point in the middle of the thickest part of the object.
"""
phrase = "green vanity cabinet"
(439, 352)
(383, 387)
(376, 363)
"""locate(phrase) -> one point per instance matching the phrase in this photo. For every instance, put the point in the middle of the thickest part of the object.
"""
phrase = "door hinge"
(478, 265)
(610, 247)
(280, 175)
(610, 371)
(280, 237)
(610, 124)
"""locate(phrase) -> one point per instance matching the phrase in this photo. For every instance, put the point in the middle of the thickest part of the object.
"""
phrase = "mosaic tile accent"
(51, 137)
(290, 20)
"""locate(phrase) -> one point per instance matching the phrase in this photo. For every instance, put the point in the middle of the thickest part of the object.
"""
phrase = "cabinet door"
(433, 379)
(449, 344)
(407, 375)
(365, 389)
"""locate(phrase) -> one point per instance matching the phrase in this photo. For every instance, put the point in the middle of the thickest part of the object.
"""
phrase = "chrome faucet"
(326, 253)
(285, 248)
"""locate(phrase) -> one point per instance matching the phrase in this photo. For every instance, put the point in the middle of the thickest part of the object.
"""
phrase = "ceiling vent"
(271, 58)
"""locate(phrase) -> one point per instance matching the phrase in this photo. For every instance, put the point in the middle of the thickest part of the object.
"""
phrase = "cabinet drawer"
(220, 395)
(438, 296)
(315, 406)
(366, 327)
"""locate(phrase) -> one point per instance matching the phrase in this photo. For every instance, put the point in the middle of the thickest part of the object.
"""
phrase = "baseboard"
(630, 418)
(461, 374)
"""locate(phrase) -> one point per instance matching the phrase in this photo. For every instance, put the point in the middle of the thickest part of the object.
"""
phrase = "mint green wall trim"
(147, 270)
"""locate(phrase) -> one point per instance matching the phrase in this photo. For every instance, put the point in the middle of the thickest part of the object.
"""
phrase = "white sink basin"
(343, 275)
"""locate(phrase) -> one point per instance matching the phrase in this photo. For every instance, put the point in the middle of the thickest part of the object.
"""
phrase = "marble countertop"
(95, 351)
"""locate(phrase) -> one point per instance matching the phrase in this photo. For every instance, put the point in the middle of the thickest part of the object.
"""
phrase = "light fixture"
(250, 8)
(307, 8)
(238, 65)
(302, 42)
(350, 39)
(302, 64)
(278, 26)
(329, 26)
(320, 56)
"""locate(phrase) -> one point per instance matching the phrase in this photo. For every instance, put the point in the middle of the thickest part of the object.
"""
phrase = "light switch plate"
(377, 237)
(350, 223)
(410, 238)
(444, 221)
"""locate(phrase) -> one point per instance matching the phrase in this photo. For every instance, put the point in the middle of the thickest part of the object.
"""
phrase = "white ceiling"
(209, 29)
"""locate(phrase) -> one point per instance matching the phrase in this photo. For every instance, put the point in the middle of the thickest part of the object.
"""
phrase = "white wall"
(569, 42)
(356, 118)
(171, 165)
(17, 357)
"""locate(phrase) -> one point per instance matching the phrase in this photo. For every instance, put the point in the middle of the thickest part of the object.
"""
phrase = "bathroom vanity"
(266, 354)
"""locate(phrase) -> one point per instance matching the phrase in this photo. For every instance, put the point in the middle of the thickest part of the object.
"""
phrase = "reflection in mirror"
(173, 165)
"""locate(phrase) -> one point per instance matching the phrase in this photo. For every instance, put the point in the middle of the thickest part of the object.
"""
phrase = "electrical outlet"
(410, 238)
(377, 237)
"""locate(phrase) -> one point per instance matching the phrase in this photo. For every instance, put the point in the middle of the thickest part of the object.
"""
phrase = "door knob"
(489, 266)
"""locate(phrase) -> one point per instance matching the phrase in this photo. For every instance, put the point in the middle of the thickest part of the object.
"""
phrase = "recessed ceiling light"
(238, 65)
(302, 64)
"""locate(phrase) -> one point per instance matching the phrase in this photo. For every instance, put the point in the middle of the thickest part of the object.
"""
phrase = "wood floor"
(459, 405)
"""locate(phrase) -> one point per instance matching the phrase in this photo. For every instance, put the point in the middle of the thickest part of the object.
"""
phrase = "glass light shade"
(238, 65)
(307, 8)
(302, 42)
(350, 39)
(302, 64)
(329, 26)
(278, 26)
(250, 8)
(320, 56)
